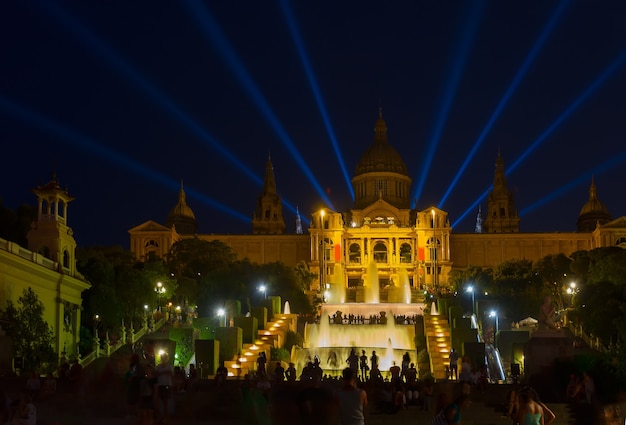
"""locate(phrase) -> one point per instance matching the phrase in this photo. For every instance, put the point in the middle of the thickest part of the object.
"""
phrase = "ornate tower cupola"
(593, 212)
(501, 212)
(268, 215)
(381, 173)
(181, 218)
(50, 235)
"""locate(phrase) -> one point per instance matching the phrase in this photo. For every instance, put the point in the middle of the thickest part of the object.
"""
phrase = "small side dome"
(181, 217)
(593, 212)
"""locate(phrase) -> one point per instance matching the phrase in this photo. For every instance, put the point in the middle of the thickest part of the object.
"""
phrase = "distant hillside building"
(381, 229)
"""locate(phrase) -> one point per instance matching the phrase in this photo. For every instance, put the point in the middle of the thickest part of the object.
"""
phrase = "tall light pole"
(160, 290)
(494, 313)
(471, 290)
(263, 289)
(222, 313)
(323, 253)
(434, 252)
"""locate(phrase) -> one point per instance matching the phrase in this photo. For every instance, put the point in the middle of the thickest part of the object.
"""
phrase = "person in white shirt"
(165, 374)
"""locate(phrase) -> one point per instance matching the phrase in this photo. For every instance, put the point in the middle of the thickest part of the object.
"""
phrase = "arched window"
(405, 253)
(621, 241)
(355, 253)
(380, 253)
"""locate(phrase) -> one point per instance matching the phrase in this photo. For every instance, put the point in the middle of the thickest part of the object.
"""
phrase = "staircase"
(272, 336)
(437, 331)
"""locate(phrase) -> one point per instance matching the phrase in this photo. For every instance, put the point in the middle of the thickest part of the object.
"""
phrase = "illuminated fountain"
(369, 326)
(371, 286)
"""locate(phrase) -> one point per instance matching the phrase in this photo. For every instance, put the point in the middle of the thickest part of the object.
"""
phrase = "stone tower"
(268, 215)
(502, 215)
(50, 235)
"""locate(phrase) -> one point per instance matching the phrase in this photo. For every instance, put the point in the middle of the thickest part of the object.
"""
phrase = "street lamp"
(471, 290)
(263, 289)
(222, 313)
(494, 313)
(323, 248)
(434, 259)
(572, 291)
(160, 290)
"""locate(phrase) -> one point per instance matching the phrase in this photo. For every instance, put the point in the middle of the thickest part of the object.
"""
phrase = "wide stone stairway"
(437, 331)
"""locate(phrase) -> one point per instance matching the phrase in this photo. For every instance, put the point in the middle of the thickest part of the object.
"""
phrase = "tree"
(607, 264)
(195, 257)
(554, 271)
(31, 334)
(476, 276)
(121, 286)
(516, 277)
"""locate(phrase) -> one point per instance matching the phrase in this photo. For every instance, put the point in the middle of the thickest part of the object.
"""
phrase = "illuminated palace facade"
(382, 235)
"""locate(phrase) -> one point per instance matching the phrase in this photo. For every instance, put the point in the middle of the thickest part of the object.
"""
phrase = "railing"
(590, 340)
(127, 336)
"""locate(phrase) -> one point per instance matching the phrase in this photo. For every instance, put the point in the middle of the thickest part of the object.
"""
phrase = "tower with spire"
(51, 235)
(479, 221)
(593, 212)
(299, 229)
(268, 214)
(502, 215)
(181, 218)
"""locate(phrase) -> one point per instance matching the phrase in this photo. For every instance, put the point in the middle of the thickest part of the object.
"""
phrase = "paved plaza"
(103, 402)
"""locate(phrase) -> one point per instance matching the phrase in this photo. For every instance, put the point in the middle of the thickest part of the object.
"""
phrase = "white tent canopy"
(529, 321)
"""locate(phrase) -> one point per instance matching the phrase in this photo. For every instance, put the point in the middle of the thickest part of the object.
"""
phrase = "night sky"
(124, 99)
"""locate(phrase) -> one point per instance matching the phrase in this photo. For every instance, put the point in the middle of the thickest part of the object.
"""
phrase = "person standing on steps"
(454, 364)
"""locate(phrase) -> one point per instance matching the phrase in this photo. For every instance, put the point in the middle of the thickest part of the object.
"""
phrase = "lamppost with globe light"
(434, 251)
(160, 290)
(263, 288)
(323, 253)
(470, 289)
(572, 290)
(222, 313)
(494, 313)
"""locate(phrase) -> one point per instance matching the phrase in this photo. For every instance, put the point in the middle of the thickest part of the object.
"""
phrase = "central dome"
(380, 156)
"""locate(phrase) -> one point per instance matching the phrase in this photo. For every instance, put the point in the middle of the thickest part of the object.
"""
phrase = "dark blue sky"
(125, 99)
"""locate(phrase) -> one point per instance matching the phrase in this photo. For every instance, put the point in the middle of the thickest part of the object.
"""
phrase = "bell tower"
(268, 215)
(50, 235)
(501, 212)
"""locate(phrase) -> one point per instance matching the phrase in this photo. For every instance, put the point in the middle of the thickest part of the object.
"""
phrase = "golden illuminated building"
(48, 267)
(382, 234)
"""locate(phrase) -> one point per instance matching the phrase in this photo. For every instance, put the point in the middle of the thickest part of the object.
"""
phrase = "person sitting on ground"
(25, 412)
(451, 414)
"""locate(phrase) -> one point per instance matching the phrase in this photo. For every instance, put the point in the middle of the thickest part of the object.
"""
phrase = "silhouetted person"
(352, 400)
